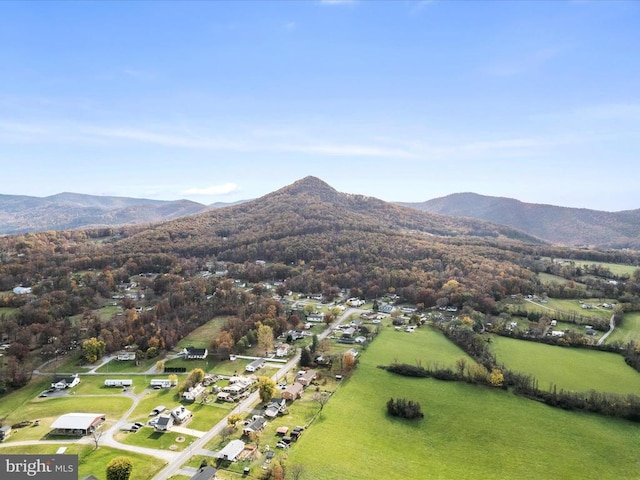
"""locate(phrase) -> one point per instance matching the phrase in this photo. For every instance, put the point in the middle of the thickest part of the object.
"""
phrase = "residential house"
(293, 391)
(255, 365)
(118, 382)
(194, 393)
(161, 382)
(180, 414)
(306, 377)
(60, 383)
(164, 423)
(282, 349)
(256, 424)
(386, 308)
(275, 407)
(205, 473)
(231, 451)
(124, 356)
(316, 317)
(191, 353)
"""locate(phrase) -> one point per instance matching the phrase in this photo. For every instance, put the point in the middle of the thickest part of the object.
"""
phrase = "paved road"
(197, 446)
(612, 327)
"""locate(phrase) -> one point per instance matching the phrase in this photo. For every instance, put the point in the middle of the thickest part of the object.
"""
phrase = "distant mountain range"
(568, 226)
(519, 220)
(67, 211)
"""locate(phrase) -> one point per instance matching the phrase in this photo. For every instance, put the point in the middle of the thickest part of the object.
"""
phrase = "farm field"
(615, 268)
(629, 331)
(566, 309)
(519, 438)
(569, 368)
(549, 278)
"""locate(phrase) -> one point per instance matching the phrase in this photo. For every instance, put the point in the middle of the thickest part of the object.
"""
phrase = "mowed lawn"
(49, 409)
(629, 331)
(469, 432)
(569, 368)
(94, 462)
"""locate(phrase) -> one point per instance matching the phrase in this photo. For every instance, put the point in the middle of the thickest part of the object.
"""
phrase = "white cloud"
(224, 189)
(524, 63)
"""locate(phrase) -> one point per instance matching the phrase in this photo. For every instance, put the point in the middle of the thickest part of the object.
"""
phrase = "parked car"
(282, 445)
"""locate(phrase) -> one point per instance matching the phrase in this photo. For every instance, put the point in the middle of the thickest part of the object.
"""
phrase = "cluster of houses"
(164, 421)
(238, 387)
(303, 379)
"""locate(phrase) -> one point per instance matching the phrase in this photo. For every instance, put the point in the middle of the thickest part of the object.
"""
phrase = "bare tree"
(96, 435)
(321, 398)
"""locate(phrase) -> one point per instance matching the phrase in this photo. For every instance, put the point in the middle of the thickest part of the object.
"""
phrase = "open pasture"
(574, 369)
(469, 432)
(615, 268)
(629, 331)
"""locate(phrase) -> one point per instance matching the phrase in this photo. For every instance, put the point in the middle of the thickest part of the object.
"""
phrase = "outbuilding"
(79, 424)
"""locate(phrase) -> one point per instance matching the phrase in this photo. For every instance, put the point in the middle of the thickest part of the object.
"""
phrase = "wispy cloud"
(337, 2)
(213, 190)
(523, 64)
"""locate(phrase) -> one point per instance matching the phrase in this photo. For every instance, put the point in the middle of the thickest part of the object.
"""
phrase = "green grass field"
(94, 462)
(547, 278)
(468, 432)
(147, 437)
(629, 331)
(48, 409)
(569, 368)
(201, 337)
(567, 307)
(124, 366)
(615, 268)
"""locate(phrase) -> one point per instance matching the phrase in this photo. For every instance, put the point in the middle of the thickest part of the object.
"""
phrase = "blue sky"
(403, 100)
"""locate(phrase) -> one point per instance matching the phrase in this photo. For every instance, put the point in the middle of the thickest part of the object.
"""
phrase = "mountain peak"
(312, 186)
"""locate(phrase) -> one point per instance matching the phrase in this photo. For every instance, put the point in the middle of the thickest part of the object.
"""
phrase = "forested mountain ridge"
(306, 207)
(569, 226)
(65, 211)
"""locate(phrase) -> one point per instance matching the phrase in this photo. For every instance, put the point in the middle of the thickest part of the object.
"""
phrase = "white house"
(180, 414)
(191, 353)
(118, 382)
(255, 365)
(194, 392)
(123, 356)
(22, 290)
(161, 382)
(60, 383)
(164, 423)
(231, 451)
